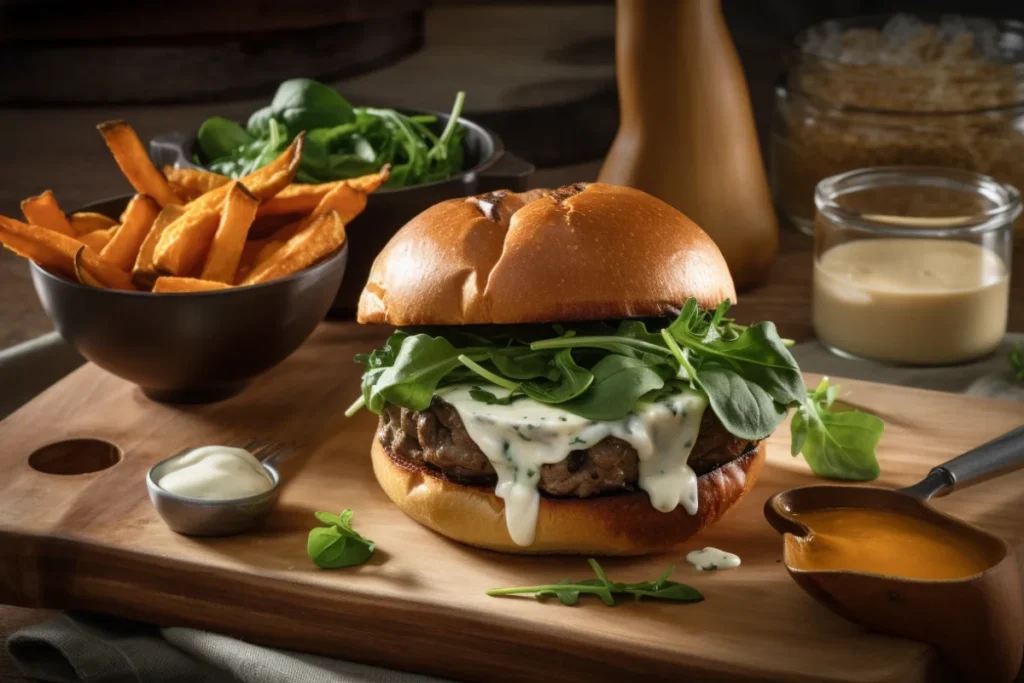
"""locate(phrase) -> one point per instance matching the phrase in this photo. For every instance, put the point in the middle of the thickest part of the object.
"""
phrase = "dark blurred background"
(541, 74)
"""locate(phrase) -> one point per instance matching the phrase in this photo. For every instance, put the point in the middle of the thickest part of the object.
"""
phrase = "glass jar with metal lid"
(912, 264)
(896, 90)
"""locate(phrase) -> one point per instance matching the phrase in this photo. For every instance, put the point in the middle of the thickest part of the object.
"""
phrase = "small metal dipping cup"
(200, 517)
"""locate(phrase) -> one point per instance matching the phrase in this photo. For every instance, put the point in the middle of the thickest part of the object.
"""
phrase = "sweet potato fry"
(56, 251)
(136, 221)
(97, 239)
(82, 273)
(144, 272)
(85, 222)
(135, 163)
(44, 211)
(191, 183)
(186, 241)
(348, 202)
(266, 226)
(186, 284)
(226, 250)
(305, 198)
(41, 253)
(317, 240)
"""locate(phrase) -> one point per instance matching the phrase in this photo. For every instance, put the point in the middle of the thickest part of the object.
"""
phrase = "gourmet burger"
(564, 379)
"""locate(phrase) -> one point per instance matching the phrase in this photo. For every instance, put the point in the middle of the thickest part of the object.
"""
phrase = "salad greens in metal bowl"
(342, 141)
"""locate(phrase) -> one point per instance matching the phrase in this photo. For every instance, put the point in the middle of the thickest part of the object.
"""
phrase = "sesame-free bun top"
(581, 252)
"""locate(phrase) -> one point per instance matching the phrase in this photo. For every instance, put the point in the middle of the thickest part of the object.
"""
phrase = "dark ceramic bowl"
(190, 348)
(488, 167)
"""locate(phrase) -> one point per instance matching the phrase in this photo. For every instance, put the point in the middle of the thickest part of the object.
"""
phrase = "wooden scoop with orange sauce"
(888, 560)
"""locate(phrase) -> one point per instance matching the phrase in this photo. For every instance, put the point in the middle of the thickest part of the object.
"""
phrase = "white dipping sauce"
(520, 437)
(712, 558)
(216, 473)
(920, 301)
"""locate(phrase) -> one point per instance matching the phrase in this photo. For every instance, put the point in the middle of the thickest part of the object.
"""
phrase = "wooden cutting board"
(93, 542)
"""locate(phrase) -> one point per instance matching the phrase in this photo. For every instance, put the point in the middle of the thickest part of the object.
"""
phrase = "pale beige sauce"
(921, 301)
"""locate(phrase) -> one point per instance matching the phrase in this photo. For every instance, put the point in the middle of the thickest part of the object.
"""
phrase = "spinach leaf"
(572, 381)
(259, 121)
(836, 444)
(747, 374)
(619, 382)
(218, 137)
(341, 141)
(337, 544)
(742, 406)
(304, 104)
(418, 367)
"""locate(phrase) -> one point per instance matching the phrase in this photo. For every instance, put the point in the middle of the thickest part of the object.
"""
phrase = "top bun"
(581, 252)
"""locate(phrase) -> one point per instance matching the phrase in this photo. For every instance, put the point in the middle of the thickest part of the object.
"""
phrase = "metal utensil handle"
(1000, 455)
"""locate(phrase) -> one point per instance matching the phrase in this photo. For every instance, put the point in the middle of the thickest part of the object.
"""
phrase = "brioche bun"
(582, 252)
(621, 524)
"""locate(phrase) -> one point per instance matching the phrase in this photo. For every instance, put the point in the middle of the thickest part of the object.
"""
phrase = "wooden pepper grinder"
(687, 133)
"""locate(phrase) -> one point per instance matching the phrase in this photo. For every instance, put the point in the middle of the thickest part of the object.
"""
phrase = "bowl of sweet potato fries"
(196, 283)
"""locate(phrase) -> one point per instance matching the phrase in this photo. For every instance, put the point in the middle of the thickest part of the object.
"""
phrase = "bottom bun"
(619, 524)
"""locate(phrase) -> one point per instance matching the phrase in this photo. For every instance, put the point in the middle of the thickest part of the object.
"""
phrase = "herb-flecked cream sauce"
(520, 437)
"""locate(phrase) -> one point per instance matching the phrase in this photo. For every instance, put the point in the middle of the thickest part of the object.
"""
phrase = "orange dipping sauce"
(887, 543)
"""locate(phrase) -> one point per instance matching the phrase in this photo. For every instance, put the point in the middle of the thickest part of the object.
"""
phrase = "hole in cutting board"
(75, 456)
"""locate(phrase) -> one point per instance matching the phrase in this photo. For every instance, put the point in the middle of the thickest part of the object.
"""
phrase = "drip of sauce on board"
(710, 559)
(885, 543)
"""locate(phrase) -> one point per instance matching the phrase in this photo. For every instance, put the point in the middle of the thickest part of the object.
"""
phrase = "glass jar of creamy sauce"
(912, 264)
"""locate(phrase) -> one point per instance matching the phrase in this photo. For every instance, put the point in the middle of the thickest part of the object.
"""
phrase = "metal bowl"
(200, 517)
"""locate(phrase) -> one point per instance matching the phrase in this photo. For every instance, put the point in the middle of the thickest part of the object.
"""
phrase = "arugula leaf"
(837, 445)
(619, 382)
(520, 362)
(337, 544)
(758, 353)
(572, 381)
(484, 396)
(568, 592)
(601, 372)
(487, 374)
(341, 141)
(1017, 362)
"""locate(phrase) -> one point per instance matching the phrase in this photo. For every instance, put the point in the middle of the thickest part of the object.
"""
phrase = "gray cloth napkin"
(95, 649)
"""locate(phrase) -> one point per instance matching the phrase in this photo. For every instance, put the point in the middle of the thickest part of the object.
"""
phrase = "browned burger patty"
(437, 438)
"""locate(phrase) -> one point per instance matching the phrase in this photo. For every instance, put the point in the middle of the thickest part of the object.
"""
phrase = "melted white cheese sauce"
(712, 558)
(520, 437)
